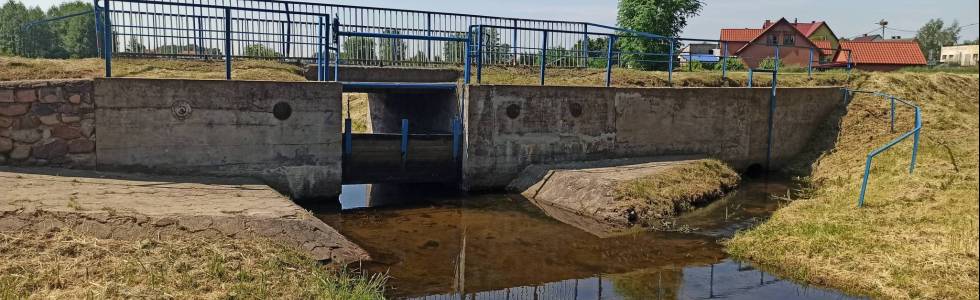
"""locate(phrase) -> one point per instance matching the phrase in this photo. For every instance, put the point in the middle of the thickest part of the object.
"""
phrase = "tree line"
(73, 37)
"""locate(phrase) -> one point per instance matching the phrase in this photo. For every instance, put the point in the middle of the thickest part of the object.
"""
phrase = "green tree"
(454, 51)
(597, 51)
(134, 46)
(392, 50)
(661, 17)
(16, 39)
(933, 36)
(358, 50)
(77, 36)
(259, 50)
(12, 16)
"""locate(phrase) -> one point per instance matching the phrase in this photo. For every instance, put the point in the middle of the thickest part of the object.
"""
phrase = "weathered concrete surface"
(129, 206)
(389, 74)
(229, 130)
(591, 189)
(511, 127)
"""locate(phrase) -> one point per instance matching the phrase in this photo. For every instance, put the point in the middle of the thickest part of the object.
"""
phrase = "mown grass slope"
(917, 236)
(67, 265)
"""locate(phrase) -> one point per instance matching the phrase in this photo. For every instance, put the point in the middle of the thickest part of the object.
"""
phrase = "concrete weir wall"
(225, 128)
(511, 127)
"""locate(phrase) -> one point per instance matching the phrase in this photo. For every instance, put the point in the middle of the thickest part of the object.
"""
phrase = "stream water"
(499, 246)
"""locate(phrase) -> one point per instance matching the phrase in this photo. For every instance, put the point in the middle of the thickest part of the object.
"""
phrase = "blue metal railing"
(213, 24)
(286, 30)
(914, 133)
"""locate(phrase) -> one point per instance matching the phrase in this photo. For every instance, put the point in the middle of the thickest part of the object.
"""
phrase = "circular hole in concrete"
(282, 110)
(575, 109)
(513, 111)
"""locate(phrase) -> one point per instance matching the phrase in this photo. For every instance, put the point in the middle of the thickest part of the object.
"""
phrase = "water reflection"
(504, 247)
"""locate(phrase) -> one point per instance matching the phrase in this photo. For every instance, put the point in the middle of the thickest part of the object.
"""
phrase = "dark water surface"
(498, 246)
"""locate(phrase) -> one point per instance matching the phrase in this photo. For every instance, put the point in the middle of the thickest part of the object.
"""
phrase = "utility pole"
(883, 24)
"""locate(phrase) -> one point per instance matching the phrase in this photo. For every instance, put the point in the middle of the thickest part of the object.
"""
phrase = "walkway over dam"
(292, 134)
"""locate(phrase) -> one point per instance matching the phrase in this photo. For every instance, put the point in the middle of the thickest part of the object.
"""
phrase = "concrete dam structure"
(291, 134)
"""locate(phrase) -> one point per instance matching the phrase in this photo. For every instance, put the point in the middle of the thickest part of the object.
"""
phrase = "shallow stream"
(499, 246)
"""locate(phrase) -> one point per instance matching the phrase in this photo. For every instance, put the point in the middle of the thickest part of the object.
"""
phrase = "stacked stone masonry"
(48, 123)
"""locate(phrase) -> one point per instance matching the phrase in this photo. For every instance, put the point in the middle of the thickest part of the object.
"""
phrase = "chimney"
(766, 24)
(796, 20)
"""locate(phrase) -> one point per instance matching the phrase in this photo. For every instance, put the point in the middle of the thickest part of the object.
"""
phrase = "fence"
(275, 25)
(287, 30)
(914, 133)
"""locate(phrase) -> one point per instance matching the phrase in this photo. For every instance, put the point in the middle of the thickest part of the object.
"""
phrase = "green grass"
(69, 265)
(675, 190)
(943, 69)
(917, 236)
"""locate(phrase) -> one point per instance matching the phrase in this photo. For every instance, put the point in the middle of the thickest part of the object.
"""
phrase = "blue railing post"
(848, 65)
(320, 70)
(228, 43)
(404, 143)
(326, 48)
(199, 37)
(750, 77)
(544, 54)
(107, 38)
(428, 32)
(670, 63)
(864, 182)
(457, 137)
(467, 60)
(585, 47)
(479, 54)
(513, 44)
(609, 50)
(724, 60)
(892, 98)
(809, 66)
(915, 138)
(348, 135)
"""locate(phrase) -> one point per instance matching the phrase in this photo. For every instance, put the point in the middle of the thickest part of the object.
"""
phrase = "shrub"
(733, 64)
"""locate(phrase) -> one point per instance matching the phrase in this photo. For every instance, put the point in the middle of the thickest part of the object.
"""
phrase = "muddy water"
(503, 247)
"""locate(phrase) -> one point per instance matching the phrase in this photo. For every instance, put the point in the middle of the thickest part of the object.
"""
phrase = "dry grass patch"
(15, 68)
(68, 265)
(917, 237)
(676, 190)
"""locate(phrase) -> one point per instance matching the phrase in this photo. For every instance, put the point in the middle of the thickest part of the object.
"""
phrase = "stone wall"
(511, 127)
(286, 133)
(47, 123)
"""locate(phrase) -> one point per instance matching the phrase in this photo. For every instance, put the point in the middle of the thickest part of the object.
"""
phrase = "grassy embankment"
(917, 237)
(67, 265)
(676, 190)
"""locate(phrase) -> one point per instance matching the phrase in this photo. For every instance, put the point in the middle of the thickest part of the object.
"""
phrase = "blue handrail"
(914, 133)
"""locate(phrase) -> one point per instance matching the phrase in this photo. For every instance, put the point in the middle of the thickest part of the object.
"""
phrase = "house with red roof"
(795, 40)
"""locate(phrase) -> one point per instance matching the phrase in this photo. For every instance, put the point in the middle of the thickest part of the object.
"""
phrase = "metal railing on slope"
(914, 133)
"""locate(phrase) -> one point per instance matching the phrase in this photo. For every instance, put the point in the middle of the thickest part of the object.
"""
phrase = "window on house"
(789, 39)
(772, 40)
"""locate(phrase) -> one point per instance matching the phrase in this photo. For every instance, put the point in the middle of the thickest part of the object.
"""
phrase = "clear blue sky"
(847, 18)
